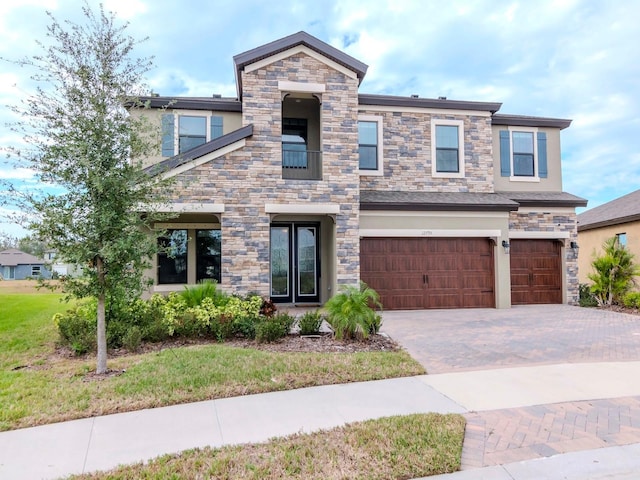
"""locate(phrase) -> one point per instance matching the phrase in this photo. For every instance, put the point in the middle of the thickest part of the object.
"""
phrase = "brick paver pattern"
(503, 436)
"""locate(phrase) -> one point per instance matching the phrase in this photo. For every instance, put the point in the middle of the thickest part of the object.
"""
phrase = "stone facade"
(553, 222)
(407, 154)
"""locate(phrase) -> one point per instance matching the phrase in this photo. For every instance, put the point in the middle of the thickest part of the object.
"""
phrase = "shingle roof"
(541, 199)
(395, 101)
(621, 210)
(439, 201)
(195, 103)
(528, 121)
(13, 257)
(200, 151)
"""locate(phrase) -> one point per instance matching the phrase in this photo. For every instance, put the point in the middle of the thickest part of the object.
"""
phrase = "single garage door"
(536, 272)
(416, 273)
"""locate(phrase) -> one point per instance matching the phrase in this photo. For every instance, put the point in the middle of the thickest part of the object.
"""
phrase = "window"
(447, 148)
(370, 145)
(191, 133)
(622, 239)
(172, 258)
(181, 133)
(523, 154)
(35, 270)
(208, 255)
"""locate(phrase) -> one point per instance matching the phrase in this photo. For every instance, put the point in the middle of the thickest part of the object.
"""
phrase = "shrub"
(132, 339)
(310, 323)
(270, 330)
(268, 308)
(246, 327)
(613, 273)
(194, 296)
(285, 320)
(77, 328)
(585, 297)
(350, 312)
(631, 300)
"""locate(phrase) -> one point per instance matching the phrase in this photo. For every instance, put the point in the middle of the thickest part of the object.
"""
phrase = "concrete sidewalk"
(101, 443)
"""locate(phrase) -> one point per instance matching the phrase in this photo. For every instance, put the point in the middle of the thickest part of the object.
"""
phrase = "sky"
(570, 59)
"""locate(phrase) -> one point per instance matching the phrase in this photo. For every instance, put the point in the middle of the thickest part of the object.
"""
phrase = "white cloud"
(17, 174)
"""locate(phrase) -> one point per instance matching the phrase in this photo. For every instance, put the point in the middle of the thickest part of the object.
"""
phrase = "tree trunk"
(102, 323)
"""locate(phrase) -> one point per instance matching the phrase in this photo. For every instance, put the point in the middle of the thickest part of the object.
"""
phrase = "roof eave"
(397, 101)
(608, 223)
(527, 121)
(438, 207)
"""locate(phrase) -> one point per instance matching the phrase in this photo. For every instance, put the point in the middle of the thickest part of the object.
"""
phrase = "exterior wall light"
(575, 247)
(507, 246)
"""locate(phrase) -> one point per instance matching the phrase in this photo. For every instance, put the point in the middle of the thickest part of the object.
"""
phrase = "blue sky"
(566, 59)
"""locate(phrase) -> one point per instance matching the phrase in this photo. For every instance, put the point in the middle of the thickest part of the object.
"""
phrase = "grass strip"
(388, 448)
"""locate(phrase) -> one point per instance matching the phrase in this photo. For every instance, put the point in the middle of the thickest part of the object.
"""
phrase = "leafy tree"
(7, 241)
(80, 137)
(32, 245)
(613, 273)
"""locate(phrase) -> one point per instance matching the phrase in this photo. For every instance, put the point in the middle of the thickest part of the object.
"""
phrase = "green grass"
(388, 448)
(38, 386)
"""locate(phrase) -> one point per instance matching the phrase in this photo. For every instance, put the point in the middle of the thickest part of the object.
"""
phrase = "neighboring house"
(302, 184)
(618, 218)
(58, 268)
(17, 265)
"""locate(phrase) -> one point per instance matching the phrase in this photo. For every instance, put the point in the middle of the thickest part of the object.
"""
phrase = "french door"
(295, 262)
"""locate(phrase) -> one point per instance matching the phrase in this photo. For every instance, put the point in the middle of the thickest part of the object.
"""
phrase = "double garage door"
(417, 273)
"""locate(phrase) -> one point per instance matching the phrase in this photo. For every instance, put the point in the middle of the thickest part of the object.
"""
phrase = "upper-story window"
(370, 145)
(182, 132)
(523, 154)
(447, 148)
(622, 239)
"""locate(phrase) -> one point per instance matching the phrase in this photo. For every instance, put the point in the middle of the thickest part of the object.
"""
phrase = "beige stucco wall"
(591, 241)
(456, 224)
(553, 182)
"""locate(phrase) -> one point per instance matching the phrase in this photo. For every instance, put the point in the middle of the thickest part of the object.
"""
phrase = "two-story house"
(302, 184)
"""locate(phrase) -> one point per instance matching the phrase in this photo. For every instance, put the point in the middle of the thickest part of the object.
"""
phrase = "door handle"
(425, 279)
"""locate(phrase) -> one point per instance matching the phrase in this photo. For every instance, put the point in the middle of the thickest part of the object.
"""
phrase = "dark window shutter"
(216, 127)
(168, 125)
(542, 155)
(505, 154)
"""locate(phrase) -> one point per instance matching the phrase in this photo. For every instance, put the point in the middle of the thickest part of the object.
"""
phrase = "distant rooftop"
(621, 210)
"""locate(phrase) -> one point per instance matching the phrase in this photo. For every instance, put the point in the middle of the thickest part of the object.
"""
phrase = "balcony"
(301, 164)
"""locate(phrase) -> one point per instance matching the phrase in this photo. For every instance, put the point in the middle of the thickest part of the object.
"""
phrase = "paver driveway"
(477, 339)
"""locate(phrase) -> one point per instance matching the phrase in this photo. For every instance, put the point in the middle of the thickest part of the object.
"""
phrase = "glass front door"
(294, 262)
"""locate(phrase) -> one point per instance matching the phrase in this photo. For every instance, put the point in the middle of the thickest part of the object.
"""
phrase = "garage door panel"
(536, 272)
(411, 273)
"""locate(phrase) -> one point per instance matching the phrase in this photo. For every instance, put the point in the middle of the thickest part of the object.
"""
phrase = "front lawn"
(388, 448)
(38, 385)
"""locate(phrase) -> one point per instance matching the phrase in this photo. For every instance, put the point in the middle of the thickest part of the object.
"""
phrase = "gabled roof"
(395, 101)
(14, 257)
(621, 210)
(542, 199)
(200, 151)
(435, 201)
(528, 121)
(301, 38)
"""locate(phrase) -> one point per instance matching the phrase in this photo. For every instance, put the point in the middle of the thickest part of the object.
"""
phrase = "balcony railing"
(301, 165)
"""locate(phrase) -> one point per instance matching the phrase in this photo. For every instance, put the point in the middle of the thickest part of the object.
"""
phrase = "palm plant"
(613, 273)
(351, 312)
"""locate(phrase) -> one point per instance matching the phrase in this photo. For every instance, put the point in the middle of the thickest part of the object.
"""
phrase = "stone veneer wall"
(246, 179)
(407, 154)
(553, 222)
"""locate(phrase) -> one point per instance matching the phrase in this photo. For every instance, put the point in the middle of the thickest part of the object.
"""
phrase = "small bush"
(310, 323)
(246, 327)
(350, 312)
(586, 298)
(132, 339)
(77, 328)
(631, 300)
(194, 296)
(285, 320)
(268, 308)
(269, 331)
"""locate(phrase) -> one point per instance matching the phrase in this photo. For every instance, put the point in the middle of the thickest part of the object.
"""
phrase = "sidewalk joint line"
(86, 453)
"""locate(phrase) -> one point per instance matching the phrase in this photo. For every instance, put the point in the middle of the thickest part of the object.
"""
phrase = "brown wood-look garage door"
(536, 272)
(416, 273)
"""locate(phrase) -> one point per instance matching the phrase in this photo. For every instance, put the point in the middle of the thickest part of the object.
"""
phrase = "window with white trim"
(370, 158)
(36, 270)
(523, 154)
(447, 148)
